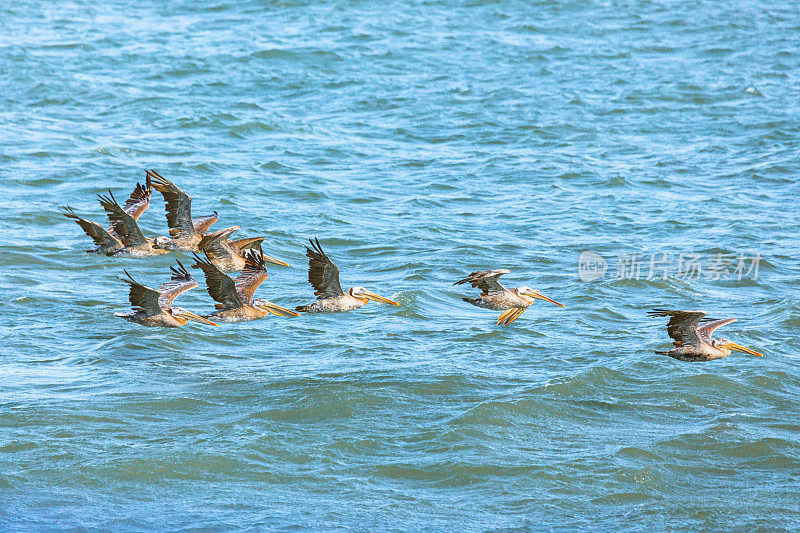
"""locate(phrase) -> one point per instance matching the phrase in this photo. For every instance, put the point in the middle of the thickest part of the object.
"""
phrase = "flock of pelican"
(690, 330)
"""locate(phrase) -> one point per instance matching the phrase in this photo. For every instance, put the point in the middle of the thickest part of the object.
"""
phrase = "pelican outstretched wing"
(707, 328)
(253, 275)
(142, 298)
(179, 205)
(180, 282)
(201, 224)
(124, 225)
(682, 326)
(98, 233)
(139, 200)
(221, 287)
(486, 280)
(216, 245)
(322, 273)
(248, 243)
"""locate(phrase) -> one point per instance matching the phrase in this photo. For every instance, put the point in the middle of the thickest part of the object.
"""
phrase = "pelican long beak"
(276, 309)
(541, 296)
(196, 318)
(376, 298)
(274, 261)
(738, 348)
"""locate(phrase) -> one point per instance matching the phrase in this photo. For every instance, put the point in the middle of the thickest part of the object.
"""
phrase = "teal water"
(420, 141)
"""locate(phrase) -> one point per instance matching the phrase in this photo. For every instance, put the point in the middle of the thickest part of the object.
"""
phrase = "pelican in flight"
(693, 340)
(153, 307)
(494, 296)
(324, 277)
(229, 256)
(235, 297)
(135, 244)
(184, 231)
(107, 241)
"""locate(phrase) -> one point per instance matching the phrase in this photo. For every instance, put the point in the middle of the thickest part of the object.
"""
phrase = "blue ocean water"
(420, 141)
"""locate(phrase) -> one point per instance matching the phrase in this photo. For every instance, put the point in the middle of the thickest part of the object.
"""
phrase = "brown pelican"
(229, 256)
(184, 231)
(324, 277)
(235, 297)
(107, 240)
(153, 307)
(692, 340)
(495, 296)
(135, 244)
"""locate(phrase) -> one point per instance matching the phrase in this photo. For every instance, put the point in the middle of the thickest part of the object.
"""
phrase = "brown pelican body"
(235, 297)
(184, 231)
(324, 277)
(693, 340)
(494, 296)
(107, 241)
(135, 244)
(229, 256)
(153, 307)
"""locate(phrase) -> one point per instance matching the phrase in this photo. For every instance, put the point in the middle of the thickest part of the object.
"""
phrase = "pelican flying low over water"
(107, 241)
(229, 256)
(135, 244)
(693, 340)
(153, 307)
(494, 296)
(324, 277)
(235, 297)
(184, 231)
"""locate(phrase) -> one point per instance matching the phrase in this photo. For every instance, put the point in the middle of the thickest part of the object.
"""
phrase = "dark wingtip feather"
(109, 200)
(254, 258)
(315, 252)
(180, 273)
(141, 192)
(655, 313)
(318, 247)
(130, 279)
(200, 262)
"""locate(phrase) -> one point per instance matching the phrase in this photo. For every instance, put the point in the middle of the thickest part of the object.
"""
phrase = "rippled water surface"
(419, 141)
